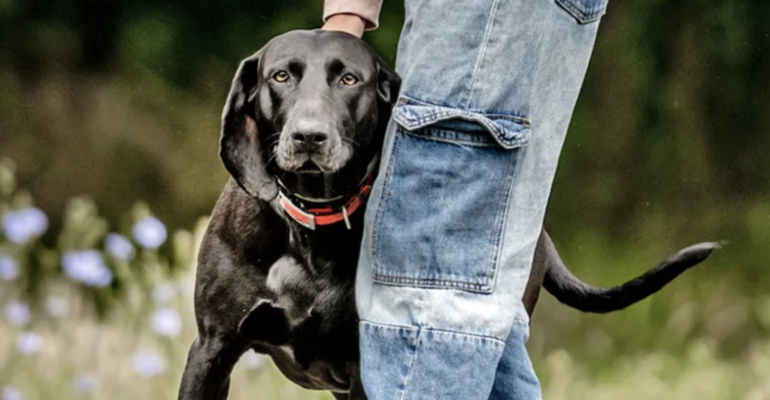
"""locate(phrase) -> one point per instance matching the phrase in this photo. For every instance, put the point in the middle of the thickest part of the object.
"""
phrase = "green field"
(108, 343)
(78, 346)
(106, 104)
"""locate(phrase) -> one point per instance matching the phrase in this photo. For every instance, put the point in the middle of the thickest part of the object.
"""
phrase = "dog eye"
(349, 79)
(281, 76)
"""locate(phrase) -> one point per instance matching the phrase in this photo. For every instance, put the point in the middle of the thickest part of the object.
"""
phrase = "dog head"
(309, 108)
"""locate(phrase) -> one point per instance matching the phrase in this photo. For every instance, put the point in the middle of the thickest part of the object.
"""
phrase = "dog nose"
(309, 140)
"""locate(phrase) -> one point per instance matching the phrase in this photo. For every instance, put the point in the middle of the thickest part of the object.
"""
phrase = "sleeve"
(368, 10)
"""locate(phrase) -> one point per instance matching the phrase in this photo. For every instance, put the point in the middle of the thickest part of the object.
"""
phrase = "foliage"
(93, 313)
(121, 100)
(102, 263)
(53, 346)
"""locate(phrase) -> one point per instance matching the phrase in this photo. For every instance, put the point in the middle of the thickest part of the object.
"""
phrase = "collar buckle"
(346, 218)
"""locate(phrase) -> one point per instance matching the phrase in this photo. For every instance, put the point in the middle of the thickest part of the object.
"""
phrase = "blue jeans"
(488, 90)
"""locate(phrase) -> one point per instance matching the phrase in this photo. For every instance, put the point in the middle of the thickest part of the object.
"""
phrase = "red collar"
(312, 214)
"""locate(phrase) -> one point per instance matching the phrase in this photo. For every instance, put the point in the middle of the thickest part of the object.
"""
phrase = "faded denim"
(488, 90)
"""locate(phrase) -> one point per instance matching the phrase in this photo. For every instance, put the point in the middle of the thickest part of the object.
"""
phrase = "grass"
(78, 345)
(702, 338)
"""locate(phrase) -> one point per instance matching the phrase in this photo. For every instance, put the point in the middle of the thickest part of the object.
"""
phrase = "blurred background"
(109, 121)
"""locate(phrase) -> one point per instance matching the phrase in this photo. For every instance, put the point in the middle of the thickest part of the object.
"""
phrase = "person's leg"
(515, 378)
(488, 90)
(567, 43)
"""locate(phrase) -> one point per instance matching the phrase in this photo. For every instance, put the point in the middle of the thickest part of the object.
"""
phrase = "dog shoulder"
(243, 231)
(243, 226)
(241, 242)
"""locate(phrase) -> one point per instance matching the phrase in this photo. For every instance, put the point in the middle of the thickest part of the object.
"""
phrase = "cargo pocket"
(439, 221)
(584, 11)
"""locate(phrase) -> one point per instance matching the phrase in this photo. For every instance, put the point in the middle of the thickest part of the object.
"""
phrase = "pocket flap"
(509, 131)
(585, 11)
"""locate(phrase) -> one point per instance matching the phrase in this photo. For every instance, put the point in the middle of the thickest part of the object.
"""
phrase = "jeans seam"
(512, 178)
(472, 334)
(494, 260)
(482, 51)
(386, 325)
(439, 136)
(407, 100)
(381, 203)
(519, 320)
(583, 17)
(504, 137)
(428, 283)
(448, 331)
(411, 362)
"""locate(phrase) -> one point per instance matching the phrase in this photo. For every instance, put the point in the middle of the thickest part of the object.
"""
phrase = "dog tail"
(570, 290)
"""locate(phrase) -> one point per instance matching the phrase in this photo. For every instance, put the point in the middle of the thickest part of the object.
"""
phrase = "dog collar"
(320, 212)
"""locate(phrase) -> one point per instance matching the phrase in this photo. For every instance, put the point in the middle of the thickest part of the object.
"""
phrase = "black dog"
(302, 130)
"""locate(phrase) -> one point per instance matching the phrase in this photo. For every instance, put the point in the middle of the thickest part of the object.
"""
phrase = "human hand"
(350, 23)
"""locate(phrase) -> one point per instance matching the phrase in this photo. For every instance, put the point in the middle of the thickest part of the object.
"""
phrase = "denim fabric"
(488, 90)
(425, 363)
(515, 379)
(479, 179)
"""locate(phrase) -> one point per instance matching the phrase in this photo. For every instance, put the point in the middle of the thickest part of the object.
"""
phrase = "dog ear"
(240, 147)
(388, 84)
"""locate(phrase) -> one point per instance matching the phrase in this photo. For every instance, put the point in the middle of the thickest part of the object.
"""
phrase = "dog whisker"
(351, 141)
(272, 157)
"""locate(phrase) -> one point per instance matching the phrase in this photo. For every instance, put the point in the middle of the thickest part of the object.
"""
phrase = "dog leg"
(207, 373)
(355, 394)
(357, 391)
(266, 323)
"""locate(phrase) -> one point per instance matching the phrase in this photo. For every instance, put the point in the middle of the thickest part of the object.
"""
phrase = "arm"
(351, 16)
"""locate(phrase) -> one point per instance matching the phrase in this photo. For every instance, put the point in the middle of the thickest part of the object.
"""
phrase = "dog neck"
(328, 249)
(312, 213)
(331, 244)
